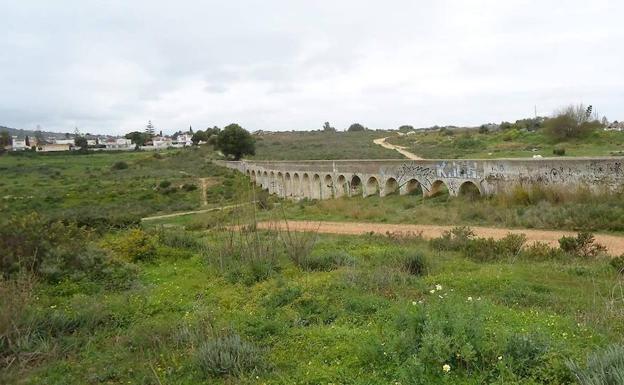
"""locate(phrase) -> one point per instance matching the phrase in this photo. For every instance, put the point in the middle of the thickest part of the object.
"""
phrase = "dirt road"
(614, 244)
(382, 142)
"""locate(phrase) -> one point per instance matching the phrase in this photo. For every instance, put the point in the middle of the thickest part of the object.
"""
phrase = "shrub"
(164, 184)
(560, 151)
(120, 165)
(180, 239)
(189, 187)
(618, 264)
(228, 355)
(582, 246)
(603, 367)
(326, 261)
(540, 251)
(525, 353)
(453, 240)
(415, 264)
(135, 245)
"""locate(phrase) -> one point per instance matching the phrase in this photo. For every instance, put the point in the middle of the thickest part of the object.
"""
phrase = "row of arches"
(319, 186)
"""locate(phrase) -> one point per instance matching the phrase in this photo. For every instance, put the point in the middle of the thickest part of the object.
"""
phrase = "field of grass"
(191, 299)
(110, 187)
(321, 145)
(506, 144)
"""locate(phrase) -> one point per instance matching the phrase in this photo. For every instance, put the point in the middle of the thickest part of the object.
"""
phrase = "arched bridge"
(325, 179)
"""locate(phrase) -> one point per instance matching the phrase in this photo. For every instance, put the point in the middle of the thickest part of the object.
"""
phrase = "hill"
(22, 133)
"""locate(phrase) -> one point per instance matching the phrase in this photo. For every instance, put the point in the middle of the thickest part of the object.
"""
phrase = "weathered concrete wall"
(326, 179)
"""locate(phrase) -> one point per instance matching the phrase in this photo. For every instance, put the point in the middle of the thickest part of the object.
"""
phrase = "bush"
(415, 264)
(453, 240)
(582, 246)
(603, 367)
(229, 355)
(164, 184)
(540, 251)
(560, 151)
(180, 239)
(135, 245)
(189, 187)
(120, 165)
(525, 353)
(618, 264)
(327, 261)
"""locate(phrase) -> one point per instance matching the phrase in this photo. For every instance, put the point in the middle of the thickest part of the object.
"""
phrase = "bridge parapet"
(324, 179)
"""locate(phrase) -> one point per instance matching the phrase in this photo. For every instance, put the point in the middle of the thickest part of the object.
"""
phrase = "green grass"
(321, 145)
(507, 144)
(347, 324)
(76, 186)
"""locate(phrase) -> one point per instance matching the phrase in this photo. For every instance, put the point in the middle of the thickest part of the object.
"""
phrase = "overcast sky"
(109, 66)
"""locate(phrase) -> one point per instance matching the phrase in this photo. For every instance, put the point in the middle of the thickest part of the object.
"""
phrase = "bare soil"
(382, 142)
(614, 244)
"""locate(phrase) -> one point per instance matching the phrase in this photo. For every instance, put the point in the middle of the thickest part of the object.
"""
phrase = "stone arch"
(355, 186)
(296, 185)
(372, 186)
(306, 186)
(390, 187)
(412, 187)
(279, 184)
(469, 190)
(253, 175)
(315, 187)
(287, 185)
(327, 187)
(342, 187)
(438, 188)
(265, 180)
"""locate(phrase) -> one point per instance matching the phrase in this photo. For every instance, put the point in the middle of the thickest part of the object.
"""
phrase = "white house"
(19, 144)
(184, 140)
(161, 142)
(65, 141)
(55, 147)
(118, 144)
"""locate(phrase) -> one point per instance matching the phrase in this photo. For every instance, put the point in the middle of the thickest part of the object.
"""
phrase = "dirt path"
(382, 142)
(614, 244)
(191, 212)
(204, 188)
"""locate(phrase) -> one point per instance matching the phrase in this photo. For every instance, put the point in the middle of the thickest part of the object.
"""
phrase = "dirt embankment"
(382, 142)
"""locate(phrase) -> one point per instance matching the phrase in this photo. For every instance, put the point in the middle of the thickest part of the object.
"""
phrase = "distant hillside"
(22, 133)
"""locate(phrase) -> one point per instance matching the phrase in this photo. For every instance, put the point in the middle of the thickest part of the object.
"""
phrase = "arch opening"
(413, 187)
(469, 190)
(306, 186)
(342, 187)
(391, 187)
(315, 188)
(287, 185)
(327, 190)
(372, 186)
(296, 185)
(355, 186)
(438, 189)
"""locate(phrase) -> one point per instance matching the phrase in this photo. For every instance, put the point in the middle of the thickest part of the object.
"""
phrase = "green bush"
(164, 184)
(453, 240)
(525, 353)
(560, 151)
(120, 165)
(180, 239)
(581, 246)
(603, 367)
(326, 261)
(540, 251)
(189, 187)
(229, 355)
(618, 264)
(134, 245)
(415, 264)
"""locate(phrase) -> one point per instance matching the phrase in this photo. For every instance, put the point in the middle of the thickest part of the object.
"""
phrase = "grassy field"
(192, 300)
(506, 144)
(110, 187)
(321, 145)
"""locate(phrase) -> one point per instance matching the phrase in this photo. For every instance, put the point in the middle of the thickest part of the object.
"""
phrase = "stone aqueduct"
(325, 179)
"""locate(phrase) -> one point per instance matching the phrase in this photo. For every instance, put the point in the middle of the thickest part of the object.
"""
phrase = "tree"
(234, 141)
(5, 139)
(406, 128)
(574, 121)
(328, 128)
(199, 136)
(81, 141)
(356, 127)
(149, 129)
(138, 138)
